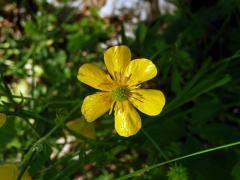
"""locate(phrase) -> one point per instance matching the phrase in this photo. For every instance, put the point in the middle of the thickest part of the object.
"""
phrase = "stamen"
(111, 108)
(136, 96)
(120, 94)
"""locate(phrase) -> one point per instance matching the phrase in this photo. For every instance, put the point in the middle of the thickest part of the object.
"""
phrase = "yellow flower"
(11, 171)
(3, 118)
(121, 90)
(82, 127)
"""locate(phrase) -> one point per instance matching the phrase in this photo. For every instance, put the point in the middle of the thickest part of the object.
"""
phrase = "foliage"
(197, 53)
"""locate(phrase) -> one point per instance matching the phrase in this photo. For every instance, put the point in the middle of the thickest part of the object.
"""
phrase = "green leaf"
(235, 171)
(218, 133)
(7, 133)
(205, 109)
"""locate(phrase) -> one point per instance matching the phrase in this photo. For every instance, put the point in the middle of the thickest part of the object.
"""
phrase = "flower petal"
(3, 118)
(80, 126)
(140, 70)
(127, 120)
(96, 105)
(148, 101)
(11, 171)
(92, 75)
(116, 59)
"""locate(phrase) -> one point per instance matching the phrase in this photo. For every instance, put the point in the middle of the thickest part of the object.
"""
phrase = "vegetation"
(196, 50)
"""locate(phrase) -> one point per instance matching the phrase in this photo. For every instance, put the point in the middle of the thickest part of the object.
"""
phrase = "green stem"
(41, 140)
(43, 100)
(141, 171)
(26, 162)
(155, 144)
(32, 127)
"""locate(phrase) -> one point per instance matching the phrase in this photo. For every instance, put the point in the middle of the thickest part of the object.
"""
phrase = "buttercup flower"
(120, 90)
(11, 172)
(3, 118)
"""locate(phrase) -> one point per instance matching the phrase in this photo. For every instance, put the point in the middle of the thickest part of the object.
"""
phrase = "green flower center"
(120, 94)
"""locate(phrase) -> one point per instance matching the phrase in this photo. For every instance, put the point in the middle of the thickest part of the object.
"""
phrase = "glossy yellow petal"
(140, 70)
(127, 119)
(80, 126)
(11, 171)
(116, 59)
(148, 101)
(3, 118)
(93, 76)
(96, 105)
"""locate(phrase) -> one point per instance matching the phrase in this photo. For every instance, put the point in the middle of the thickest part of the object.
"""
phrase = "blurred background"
(196, 48)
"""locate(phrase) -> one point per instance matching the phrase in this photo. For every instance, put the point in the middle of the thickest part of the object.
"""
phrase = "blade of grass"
(195, 92)
(141, 171)
(192, 82)
(154, 144)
